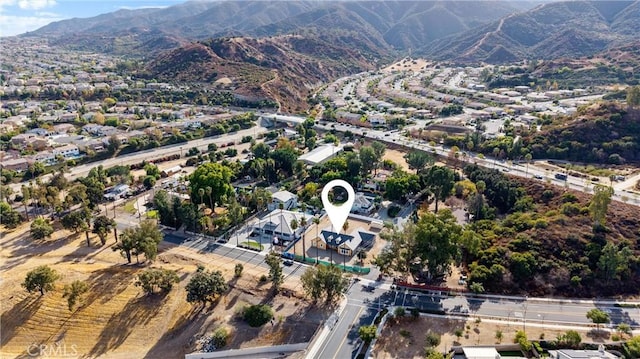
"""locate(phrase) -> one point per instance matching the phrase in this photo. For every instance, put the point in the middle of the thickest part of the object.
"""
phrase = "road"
(137, 157)
(365, 298)
(520, 170)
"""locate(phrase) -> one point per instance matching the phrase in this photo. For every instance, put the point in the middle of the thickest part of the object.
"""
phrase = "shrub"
(263, 278)
(258, 315)
(415, 312)
(399, 312)
(541, 224)
(615, 337)
(405, 333)
(570, 209)
(367, 333)
(238, 270)
(219, 338)
(433, 339)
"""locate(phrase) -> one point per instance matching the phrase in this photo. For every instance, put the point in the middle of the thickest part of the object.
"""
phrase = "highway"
(521, 170)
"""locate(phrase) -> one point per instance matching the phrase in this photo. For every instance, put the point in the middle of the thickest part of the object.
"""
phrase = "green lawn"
(129, 208)
(252, 244)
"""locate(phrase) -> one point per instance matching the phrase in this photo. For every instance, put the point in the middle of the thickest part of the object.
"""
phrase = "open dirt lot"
(411, 344)
(115, 320)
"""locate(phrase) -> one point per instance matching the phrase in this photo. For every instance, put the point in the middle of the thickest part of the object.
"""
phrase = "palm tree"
(209, 191)
(201, 193)
(528, 158)
(316, 221)
(303, 224)
(294, 226)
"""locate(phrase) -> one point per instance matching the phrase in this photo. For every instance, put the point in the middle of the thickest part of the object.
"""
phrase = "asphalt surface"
(366, 298)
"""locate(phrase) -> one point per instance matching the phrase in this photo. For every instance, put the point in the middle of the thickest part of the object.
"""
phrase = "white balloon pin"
(338, 213)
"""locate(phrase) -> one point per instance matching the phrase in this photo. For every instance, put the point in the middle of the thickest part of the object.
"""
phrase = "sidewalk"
(604, 301)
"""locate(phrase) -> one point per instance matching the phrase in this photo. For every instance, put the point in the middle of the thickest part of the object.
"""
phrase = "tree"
(633, 345)
(257, 315)
(8, 216)
(397, 257)
(368, 159)
(436, 241)
(367, 333)
(26, 196)
(599, 204)
(114, 144)
(73, 292)
(598, 317)
(528, 157)
(327, 281)
(205, 286)
(303, 224)
(418, 160)
(614, 262)
(274, 261)
(74, 221)
(41, 228)
(499, 335)
(143, 239)
(154, 280)
(102, 225)
(149, 182)
(440, 181)
(633, 96)
(215, 176)
(40, 279)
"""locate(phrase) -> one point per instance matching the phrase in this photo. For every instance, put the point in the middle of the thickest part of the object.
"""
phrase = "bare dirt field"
(114, 319)
(411, 343)
(398, 157)
(406, 65)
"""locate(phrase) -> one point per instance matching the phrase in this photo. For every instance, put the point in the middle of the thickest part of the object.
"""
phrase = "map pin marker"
(338, 214)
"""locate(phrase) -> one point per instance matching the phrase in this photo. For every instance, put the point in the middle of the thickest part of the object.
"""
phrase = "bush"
(258, 315)
(433, 339)
(263, 278)
(415, 312)
(393, 211)
(399, 312)
(219, 338)
(238, 270)
(405, 333)
(367, 333)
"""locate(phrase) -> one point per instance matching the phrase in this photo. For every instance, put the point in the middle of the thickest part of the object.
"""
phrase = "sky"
(20, 16)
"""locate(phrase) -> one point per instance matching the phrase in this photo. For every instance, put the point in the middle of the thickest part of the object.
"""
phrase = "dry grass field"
(115, 320)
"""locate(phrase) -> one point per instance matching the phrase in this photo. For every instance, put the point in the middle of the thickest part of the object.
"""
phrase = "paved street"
(137, 157)
(365, 298)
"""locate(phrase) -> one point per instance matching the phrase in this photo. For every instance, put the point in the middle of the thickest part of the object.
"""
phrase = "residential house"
(64, 128)
(286, 198)
(16, 164)
(277, 225)
(67, 151)
(39, 132)
(363, 204)
(345, 244)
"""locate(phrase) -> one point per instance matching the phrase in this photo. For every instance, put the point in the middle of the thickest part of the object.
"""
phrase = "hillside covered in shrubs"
(542, 240)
